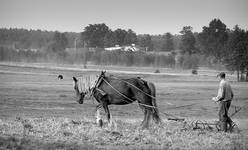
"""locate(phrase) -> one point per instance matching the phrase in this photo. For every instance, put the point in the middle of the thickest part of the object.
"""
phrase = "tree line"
(215, 44)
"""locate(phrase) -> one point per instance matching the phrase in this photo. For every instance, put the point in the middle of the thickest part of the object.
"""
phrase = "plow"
(206, 125)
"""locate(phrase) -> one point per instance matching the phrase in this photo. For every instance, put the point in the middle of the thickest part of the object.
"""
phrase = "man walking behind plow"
(224, 97)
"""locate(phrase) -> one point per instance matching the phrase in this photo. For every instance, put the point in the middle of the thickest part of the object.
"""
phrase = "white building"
(132, 48)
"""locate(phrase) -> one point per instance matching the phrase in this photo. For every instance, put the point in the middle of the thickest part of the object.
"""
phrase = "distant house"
(27, 50)
(117, 47)
(33, 50)
(132, 48)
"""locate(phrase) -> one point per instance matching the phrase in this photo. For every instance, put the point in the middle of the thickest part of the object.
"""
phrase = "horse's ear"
(74, 79)
(103, 73)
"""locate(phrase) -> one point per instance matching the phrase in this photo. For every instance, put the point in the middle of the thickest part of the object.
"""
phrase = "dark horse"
(110, 90)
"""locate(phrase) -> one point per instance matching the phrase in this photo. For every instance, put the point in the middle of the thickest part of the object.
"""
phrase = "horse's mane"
(86, 82)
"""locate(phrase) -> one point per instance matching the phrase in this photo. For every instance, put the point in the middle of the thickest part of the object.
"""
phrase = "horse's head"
(79, 93)
(84, 85)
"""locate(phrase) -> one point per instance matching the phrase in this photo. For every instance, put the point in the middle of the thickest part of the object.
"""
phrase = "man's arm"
(221, 93)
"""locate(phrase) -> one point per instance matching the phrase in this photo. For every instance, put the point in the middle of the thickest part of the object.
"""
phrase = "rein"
(167, 114)
(101, 78)
(195, 124)
(139, 89)
(125, 95)
(136, 87)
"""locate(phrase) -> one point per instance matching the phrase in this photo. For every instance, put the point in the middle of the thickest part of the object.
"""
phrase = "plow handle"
(176, 119)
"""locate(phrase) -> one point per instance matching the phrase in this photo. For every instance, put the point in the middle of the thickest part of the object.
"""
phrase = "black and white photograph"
(123, 74)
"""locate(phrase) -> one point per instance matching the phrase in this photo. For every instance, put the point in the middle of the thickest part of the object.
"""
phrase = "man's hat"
(222, 75)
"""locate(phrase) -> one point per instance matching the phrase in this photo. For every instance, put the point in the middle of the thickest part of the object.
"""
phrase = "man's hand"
(214, 99)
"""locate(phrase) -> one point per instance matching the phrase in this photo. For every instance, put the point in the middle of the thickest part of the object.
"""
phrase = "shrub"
(157, 71)
(194, 71)
(190, 61)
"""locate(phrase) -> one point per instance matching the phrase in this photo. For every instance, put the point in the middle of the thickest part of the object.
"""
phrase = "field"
(38, 111)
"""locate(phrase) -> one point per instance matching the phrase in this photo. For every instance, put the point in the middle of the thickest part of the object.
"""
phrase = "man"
(224, 97)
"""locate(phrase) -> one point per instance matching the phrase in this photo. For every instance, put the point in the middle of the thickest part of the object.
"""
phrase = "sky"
(142, 16)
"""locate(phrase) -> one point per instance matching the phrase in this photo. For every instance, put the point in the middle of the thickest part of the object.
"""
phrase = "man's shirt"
(225, 92)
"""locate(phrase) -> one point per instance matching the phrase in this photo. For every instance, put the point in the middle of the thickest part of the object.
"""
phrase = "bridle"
(90, 90)
(97, 83)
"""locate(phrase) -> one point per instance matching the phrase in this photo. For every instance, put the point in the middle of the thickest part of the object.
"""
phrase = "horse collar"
(99, 80)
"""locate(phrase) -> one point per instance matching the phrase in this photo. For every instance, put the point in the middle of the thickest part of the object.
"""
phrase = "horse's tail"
(155, 113)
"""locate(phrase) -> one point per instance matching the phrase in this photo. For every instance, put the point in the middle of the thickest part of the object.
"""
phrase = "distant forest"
(38, 39)
(215, 44)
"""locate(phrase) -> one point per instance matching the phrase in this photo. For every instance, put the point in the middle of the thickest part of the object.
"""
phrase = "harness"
(195, 124)
(136, 87)
(99, 92)
(139, 89)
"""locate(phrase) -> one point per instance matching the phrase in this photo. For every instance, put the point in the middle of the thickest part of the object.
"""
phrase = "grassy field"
(38, 111)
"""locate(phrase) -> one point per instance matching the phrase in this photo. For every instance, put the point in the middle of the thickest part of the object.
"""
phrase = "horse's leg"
(105, 106)
(144, 122)
(147, 118)
(98, 115)
(155, 112)
(155, 116)
(142, 108)
(147, 113)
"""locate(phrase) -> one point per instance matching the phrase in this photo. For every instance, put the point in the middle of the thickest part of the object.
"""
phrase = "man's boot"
(223, 126)
(230, 124)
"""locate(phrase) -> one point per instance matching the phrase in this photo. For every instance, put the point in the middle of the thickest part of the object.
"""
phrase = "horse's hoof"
(158, 122)
(142, 123)
(100, 123)
(145, 127)
(110, 124)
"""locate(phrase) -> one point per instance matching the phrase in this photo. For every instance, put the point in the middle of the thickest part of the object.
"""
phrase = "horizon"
(143, 17)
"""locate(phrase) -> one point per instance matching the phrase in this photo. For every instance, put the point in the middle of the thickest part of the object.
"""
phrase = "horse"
(109, 90)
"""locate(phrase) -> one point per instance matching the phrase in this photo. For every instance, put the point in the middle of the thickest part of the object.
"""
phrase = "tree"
(213, 39)
(145, 41)
(58, 45)
(130, 38)
(168, 44)
(94, 34)
(120, 35)
(109, 39)
(236, 56)
(157, 42)
(60, 40)
(188, 40)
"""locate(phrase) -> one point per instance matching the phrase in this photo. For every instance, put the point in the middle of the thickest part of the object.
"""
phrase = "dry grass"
(64, 133)
(37, 111)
